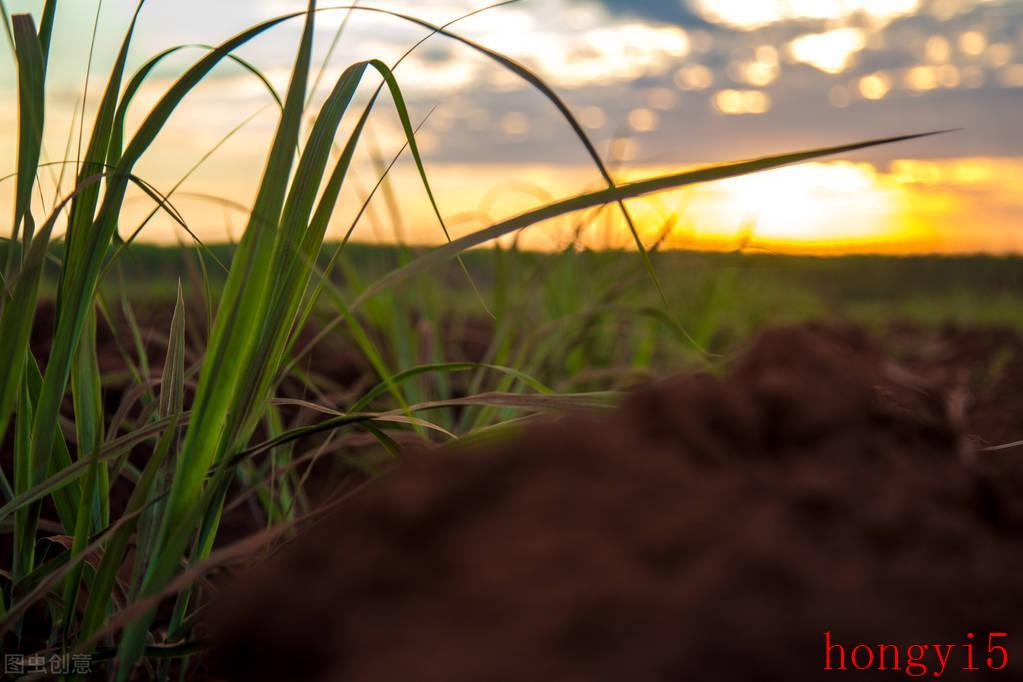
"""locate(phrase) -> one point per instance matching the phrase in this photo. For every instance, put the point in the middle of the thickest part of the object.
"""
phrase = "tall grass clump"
(88, 574)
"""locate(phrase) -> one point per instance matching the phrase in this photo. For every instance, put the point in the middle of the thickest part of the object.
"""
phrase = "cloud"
(669, 11)
(933, 69)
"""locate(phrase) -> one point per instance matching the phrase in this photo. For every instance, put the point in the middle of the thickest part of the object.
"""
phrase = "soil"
(833, 480)
(708, 528)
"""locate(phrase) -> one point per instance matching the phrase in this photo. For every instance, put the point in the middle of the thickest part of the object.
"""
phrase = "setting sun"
(811, 206)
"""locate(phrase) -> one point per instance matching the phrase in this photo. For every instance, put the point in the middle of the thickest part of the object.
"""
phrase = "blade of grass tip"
(410, 136)
(7, 28)
(45, 35)
(625, 191)
(31, 114)
(46, 28)
(292, 265)
(172, 403)
(410, 139)
(323, 276)
(172, 389)
(88, 74)
(330, 53)
(577, 128)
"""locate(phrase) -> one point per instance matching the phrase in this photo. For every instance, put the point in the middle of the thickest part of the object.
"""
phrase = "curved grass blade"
(138, 79)
(382, 387)
(67, 475)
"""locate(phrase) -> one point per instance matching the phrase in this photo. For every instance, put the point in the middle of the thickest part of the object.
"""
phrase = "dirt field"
(707, 529)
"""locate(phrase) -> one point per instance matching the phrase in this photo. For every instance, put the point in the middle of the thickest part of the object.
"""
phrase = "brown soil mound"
(708, 529)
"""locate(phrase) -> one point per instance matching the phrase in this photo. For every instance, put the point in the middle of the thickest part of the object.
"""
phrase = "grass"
(730, 294)
(212, 427)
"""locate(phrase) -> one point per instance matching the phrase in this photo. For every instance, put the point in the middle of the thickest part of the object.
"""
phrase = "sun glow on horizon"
(819, 208)
(809, 205)
(828, 207)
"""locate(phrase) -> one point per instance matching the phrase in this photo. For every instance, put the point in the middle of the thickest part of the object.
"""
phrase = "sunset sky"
(661, 84)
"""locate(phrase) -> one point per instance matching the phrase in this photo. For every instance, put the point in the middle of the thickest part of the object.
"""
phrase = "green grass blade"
(172, 404)
(138, 79)
(292, 265)
(31, 113)
(242, 304)
(592, 199)
(231, 341)
(378, 390)
(18, 314)
(410, 137)
(145, 493)
(66, 499)
(74, 295)
(46, 28)
(66, 475)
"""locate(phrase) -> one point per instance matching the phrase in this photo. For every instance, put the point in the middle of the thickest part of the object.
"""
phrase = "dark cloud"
(668, 11)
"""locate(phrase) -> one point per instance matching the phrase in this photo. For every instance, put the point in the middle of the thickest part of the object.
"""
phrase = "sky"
(659, 84)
